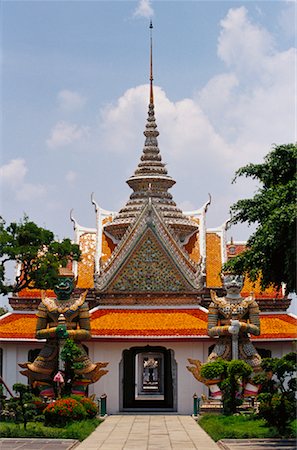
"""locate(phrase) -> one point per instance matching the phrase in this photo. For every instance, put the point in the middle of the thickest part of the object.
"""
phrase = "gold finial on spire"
(151, 66)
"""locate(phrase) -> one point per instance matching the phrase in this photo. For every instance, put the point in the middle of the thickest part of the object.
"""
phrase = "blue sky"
(74, 101)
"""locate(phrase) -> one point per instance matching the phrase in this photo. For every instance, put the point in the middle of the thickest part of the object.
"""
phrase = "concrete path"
(145, 432)
(257, 444)
(36, 444)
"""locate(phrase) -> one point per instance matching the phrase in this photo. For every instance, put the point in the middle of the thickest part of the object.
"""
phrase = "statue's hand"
(234, 327)
(61, 331)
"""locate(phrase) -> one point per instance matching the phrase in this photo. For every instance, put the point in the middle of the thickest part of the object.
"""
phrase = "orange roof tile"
(213, 260)
(277, 326)
(18, 326)
(34, 293)
(269, 292)
(107, 248)
(154, 323)
(248, 287)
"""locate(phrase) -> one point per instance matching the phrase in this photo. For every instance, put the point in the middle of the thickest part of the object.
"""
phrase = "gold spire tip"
(151, 65)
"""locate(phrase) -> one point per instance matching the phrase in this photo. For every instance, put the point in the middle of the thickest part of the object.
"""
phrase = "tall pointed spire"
(150, 180)
(151, 65)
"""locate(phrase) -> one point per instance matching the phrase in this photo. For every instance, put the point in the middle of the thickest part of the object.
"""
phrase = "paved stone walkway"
(145, 432)
(38, 444)
(257, 444)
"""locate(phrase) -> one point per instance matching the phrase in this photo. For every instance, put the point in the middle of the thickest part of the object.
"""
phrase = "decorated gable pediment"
(148, 259)
(149, 268)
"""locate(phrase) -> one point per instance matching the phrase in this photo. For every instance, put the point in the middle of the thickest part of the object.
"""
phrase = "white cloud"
(65, 133)
(29, 192)
(287, 19)
(13, 173)
(242, 108)
(229, 121)
(70, 101)
(218, 92)
(233, 120)
(13, 176)
(144, 9)
(118, 122)
(185, 129)
(242, 44)
(215, 98)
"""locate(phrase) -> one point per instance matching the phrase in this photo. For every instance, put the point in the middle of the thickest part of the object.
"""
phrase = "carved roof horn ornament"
(207, 204)
(73, 219)
(93, 201)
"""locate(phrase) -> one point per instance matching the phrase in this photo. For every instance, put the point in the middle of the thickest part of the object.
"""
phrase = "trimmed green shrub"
(90, 407)
(230, 375)
(20, 408)
(70, 354)
(214, 370)
(39, 404)
(63, 411)
(278, 393)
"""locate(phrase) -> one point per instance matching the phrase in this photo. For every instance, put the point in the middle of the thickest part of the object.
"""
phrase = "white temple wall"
(110, 383)
(278, 349)
(16, 352)
(187, 385)
(13, 354)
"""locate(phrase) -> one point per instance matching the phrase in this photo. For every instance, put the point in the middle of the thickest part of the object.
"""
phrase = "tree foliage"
(3, 310)
(270, 255)
(278, 392)
(21, 407)
(36, 251)
(230, 375)
(70, 355)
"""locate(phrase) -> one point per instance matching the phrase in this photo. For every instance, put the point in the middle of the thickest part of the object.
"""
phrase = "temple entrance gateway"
(148, 379)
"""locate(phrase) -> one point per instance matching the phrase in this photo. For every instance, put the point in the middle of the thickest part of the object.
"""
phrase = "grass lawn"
(238, 427)
(75, 430)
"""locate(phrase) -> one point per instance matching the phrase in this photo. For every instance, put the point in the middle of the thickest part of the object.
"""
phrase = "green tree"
(70, 354)
(3, 310)
(270, 255)
(231, 375)
(277, 400)
(37, 252)
(22, 406)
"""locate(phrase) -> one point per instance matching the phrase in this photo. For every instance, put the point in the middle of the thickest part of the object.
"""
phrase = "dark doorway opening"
(148, 379)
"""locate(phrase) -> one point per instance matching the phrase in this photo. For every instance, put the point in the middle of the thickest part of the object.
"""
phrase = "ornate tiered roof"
(149, 259)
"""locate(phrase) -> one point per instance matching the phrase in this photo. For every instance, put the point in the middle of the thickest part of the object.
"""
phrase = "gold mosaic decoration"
(193, 247)
(213, 260)
(107, 248)
(149, 269)
(87, 243)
